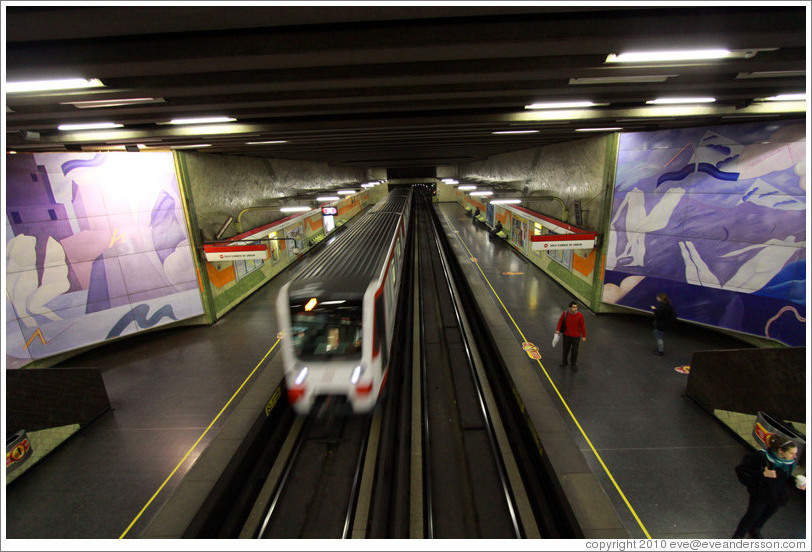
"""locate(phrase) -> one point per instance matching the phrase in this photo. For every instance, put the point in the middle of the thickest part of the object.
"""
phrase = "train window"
(329, 330)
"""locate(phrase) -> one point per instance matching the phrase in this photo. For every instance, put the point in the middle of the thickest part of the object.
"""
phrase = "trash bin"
(767, 425)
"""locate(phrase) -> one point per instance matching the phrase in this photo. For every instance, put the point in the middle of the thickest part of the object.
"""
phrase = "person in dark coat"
(767, 474)
(572, 326)
(663, 318)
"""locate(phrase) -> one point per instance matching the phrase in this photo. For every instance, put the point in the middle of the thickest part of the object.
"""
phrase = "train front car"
(337, 312)
(324, 349)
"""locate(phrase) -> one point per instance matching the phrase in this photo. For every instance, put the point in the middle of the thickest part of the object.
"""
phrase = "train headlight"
(301, 376)
(356, 374)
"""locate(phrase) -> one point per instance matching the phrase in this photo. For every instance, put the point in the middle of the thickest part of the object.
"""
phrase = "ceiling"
(388, 86)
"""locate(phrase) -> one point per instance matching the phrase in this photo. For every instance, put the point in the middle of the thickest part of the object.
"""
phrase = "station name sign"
(563, 241)
(220, 253)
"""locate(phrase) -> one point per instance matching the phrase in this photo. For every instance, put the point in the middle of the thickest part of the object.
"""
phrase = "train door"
(489, 215)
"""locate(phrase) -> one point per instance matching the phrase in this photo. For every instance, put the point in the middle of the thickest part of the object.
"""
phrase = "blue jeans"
(658, 335)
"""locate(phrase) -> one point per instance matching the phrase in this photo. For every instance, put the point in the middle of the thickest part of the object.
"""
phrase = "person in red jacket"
(571, 325)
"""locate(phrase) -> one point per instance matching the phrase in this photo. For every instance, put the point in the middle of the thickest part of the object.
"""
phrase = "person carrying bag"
(573, 329)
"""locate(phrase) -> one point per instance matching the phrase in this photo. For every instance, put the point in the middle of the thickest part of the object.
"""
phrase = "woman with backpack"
(767, 474)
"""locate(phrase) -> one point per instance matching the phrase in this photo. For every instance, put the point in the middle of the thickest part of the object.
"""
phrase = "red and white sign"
(220, 253)
(563, 241)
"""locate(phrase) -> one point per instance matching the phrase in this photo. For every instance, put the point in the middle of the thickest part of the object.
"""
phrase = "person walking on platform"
(572, 326)
(664, 316)
(767, 474)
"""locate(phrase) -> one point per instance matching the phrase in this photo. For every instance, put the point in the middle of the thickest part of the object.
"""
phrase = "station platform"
(665, 463)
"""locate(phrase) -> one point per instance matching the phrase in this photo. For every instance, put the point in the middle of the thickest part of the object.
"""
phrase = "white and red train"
(337, 313)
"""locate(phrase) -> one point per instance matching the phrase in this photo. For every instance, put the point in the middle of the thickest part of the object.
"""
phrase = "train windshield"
(330, 329)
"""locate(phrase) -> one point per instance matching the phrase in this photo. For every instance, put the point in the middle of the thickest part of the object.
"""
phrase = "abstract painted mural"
(714, 217)
(96, 248)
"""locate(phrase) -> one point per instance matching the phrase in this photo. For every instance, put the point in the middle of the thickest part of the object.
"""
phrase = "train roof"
(345, 267)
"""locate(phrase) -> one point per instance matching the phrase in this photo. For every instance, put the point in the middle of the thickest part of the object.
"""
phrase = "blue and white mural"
(96, 248)
(716, 218)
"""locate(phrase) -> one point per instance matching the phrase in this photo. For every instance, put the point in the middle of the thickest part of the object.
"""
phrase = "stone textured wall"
(573, 171)
(224, 185)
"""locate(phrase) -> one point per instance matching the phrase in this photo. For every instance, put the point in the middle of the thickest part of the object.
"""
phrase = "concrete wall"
(574, 171)
(581, 171)
(223, 185)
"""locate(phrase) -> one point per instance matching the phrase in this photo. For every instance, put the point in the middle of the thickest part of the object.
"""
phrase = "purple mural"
(716, 218)
(96, 248)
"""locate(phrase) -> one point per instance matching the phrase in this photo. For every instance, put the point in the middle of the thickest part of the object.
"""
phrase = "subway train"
(337, 312)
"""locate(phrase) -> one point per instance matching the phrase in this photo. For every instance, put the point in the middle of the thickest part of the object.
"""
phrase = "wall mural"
(96, 248)
(716, 218)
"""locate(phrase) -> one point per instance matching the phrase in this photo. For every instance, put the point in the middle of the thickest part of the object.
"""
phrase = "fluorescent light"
(560, 105)
(192, 146)
(505, 201)
(466, 188)
(605, 129)
(515, 132)
(327, 198)
(346, 192)
(611, 80)
(369, 185)
(481, 193)
(449, 181)
(201, 120)
(54, 84)
(670, 55)
(295, 209)
(92, 104)
(661, 101)
(785, 98)
(267, 142)
(89, 126)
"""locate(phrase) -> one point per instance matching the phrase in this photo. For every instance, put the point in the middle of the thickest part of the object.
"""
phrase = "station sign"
(329, 211)
(563, 241)
(220, 253)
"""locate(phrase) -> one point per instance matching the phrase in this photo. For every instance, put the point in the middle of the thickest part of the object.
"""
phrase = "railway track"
(444, 454)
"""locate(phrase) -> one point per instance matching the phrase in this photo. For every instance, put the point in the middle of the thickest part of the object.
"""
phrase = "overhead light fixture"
(267, 142)
(785, 98)
(89, 126)
(561, 105)
(486, 193)
(664, 101)
(620, 80)
(52, 84)
(192, 146)
(466, 188)
(515, 132)
(505, 201)
(449, 181)
(327, 198)
(295, 209)
(201, 120)
(345, 192)
(370, 184)
(93, 104)
(604, 129)
(771, 74)
(668, 55)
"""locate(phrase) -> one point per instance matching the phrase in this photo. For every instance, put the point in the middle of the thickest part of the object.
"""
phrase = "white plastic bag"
(556, 339)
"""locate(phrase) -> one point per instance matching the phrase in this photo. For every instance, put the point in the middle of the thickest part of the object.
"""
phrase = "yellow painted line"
(557, 392)
(185, 456)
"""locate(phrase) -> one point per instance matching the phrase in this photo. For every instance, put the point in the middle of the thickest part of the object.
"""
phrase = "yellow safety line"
(557, 392)
(185, 456)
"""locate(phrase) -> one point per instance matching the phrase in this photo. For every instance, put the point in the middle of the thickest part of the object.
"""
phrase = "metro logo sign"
(563, 241)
